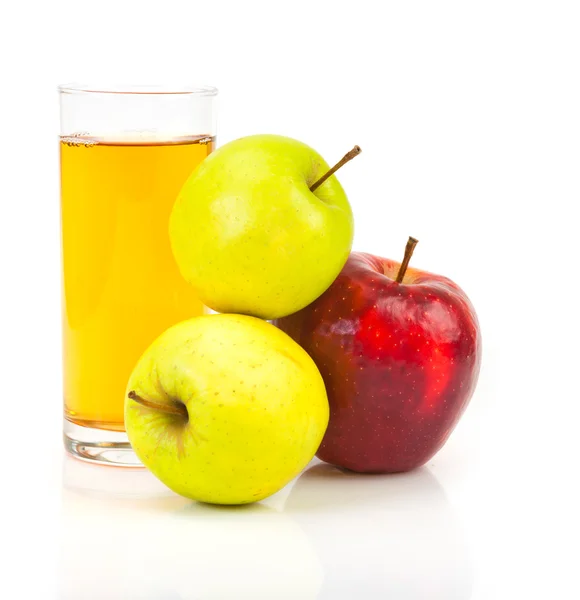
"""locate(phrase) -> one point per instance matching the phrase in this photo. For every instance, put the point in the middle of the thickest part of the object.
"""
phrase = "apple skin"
(400, 362)
(249, 235)
(256, 409)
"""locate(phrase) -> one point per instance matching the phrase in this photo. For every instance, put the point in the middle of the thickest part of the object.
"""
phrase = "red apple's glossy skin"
(400, 362)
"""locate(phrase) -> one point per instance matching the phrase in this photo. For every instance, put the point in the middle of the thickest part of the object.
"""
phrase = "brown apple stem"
(409, 248)
(171, 409)
(347, 157)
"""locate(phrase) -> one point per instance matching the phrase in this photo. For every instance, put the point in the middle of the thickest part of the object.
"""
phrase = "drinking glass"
(125, 153)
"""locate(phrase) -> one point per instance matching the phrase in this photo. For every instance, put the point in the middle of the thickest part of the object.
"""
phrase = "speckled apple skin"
(400, 362)
(256, 402)
(249, 235)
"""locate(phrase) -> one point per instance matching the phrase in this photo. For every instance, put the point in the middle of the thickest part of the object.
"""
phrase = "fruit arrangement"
(367, 363)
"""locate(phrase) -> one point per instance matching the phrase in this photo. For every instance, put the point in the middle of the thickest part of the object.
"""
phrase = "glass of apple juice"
(125, 153)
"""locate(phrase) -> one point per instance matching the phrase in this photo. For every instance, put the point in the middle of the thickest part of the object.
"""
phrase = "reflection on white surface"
(329, 535)
(138, 541)
(382, 536)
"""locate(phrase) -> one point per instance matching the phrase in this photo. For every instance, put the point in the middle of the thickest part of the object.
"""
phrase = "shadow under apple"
(382, 536)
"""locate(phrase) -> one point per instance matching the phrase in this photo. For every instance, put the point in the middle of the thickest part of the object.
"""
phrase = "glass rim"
(138, 89)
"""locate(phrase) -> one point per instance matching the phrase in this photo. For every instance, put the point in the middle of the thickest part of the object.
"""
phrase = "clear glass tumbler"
(125, 153)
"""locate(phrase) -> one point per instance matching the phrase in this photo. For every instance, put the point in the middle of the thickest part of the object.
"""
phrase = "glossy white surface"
(328, 535)
(468, 117)
(487, 518)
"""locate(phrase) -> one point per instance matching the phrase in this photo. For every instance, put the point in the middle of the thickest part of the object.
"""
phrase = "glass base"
(99, 446)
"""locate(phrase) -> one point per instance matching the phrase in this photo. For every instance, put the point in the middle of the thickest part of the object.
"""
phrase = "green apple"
(225, 409)
(251, 237)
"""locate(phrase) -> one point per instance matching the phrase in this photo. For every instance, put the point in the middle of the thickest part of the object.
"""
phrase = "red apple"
(399, 350)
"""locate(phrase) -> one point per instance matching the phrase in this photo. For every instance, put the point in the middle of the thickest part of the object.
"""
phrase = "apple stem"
(347, 157)
(409, 248)
(172, 409)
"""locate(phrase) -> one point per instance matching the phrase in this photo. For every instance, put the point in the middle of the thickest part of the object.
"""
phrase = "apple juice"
(121, 285)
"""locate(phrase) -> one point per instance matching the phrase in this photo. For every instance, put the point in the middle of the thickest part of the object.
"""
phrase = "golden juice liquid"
(122, 287)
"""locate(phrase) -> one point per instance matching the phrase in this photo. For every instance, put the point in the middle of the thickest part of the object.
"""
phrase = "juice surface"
(122, 287)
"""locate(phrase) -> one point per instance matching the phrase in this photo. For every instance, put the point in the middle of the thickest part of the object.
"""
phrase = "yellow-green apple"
(253, 232)
(225, 409)
(399, 350)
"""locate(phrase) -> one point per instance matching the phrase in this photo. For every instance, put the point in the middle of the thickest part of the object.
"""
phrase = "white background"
(468, 114)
